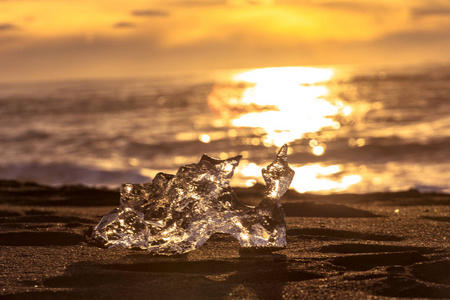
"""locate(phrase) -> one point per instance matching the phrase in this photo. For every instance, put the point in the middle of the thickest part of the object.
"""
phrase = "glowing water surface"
(349, 129)
(283, 105)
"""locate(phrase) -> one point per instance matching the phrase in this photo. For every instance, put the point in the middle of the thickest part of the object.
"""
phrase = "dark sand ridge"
(339, 246)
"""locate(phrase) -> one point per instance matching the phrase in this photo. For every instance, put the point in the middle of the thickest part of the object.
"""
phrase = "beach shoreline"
(344, 246)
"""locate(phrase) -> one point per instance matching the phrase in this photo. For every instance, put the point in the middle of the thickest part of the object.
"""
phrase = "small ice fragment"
(174, 214)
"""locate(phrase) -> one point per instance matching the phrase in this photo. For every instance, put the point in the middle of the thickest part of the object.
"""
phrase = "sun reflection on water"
(285, 102)
(282, 105)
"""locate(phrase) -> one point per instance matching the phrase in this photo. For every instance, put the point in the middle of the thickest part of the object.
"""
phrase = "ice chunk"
(174, 214)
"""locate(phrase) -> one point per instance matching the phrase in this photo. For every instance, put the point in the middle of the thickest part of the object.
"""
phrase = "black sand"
(372, 246)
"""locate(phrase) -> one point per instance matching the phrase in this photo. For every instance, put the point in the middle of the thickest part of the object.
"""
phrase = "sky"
(62, 39)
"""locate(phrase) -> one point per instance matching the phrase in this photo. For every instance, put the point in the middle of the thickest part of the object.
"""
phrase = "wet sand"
(339, 246)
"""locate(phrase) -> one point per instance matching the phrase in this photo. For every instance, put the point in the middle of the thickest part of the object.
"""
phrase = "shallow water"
(350, 129)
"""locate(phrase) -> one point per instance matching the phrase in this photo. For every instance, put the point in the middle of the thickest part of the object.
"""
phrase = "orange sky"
(49, 39)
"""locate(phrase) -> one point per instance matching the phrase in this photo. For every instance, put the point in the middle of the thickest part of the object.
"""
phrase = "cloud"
(132, 55)
(219, 37)
(409, 46)
(7, 27)
(418, 37)
(199, 2)
(430, 11)
(121, 25)
(72, 57)
(249, 2)
(353, 6)
(150, 13)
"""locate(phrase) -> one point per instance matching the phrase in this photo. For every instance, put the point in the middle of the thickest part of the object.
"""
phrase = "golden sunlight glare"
(309, 178)
(204, 138)
(316, 177)
(285, 102)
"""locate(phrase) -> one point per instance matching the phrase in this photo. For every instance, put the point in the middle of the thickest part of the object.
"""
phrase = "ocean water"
(349, 129)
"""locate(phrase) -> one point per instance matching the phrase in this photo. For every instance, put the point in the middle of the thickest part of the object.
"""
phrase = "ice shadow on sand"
(430, 279)
(334, 234)
(439, 219)
(393, 271)
(177, 277)
(366, 262)
(349, 248)
(324, 210)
